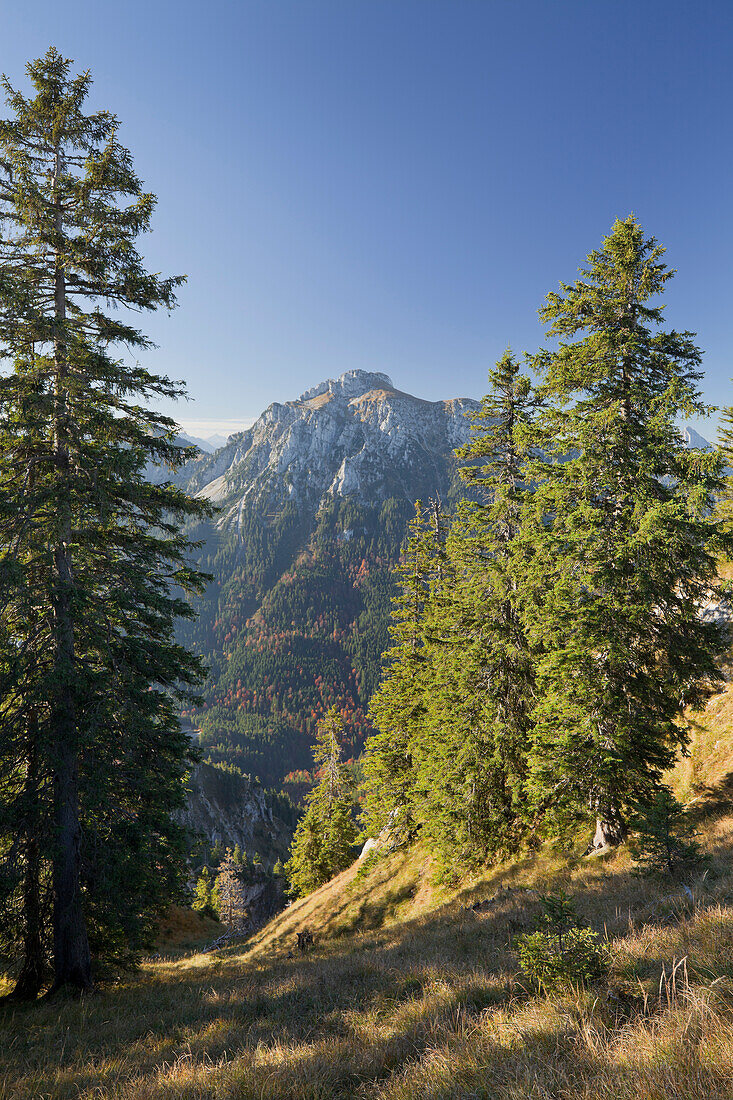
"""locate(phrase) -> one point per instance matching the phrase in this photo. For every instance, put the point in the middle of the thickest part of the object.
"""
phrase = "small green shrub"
(367, 864)
(562, 953)
(580, 958)
(665, 837)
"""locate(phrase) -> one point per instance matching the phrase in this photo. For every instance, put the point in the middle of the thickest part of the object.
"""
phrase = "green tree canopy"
(324, 840)
(471, 753)
(93, 565)
(620, 541)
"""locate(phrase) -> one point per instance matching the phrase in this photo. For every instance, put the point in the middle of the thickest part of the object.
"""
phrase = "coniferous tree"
(471, 757)
(397, 708)
(620, 540)
(724, 505)
(324, 840)
(664, 834)
(206, 898)
(230, 891)
(92, 558)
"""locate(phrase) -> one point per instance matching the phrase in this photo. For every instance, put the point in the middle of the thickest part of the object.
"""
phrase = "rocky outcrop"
(229, 809)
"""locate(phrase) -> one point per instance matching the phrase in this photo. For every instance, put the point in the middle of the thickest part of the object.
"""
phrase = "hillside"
(412, 994)
(314, 500)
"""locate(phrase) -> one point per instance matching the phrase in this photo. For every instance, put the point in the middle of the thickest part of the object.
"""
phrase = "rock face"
(230, 810)
(694, 440)
(355, 436)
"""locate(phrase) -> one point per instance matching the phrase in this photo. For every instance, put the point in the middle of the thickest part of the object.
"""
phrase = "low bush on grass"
(561, 953)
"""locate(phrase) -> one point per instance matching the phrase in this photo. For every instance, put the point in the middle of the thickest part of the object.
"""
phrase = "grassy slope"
(410, 995)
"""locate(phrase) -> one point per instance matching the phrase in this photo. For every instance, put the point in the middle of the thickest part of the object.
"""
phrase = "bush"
(579, 958)
(562, 953)
(367, 864)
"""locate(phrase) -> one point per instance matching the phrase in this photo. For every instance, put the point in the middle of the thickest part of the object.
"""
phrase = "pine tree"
(471, 755)
(278, 870)
(93, 564)
(230, 891)
(620, 540)
(206, 897)
(324, 840)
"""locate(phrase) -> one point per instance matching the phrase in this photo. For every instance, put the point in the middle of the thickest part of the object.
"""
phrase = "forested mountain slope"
(314, 500)
(224, 809)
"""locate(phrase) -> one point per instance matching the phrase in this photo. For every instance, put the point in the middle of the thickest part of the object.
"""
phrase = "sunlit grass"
(410, 994)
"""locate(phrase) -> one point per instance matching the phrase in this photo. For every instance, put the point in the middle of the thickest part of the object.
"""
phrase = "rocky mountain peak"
(356, 435)
(350, 384)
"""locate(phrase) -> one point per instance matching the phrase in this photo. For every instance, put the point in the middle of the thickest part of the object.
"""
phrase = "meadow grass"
(410, 994)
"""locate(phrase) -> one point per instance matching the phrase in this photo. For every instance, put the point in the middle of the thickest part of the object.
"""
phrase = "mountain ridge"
(357, 435)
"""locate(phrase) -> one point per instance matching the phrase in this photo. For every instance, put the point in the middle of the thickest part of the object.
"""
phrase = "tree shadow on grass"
(359, 1008)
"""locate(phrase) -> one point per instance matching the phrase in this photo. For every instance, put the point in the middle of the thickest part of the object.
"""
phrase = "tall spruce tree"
(620, 539)
(397, 708)
(471, 756)
(324, 840)
(93, 566)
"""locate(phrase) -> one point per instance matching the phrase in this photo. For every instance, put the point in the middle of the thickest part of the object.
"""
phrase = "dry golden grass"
(184, 928)
(411, 995)
(709, 767)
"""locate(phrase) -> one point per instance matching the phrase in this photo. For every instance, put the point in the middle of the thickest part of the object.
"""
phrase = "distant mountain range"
(208, 444)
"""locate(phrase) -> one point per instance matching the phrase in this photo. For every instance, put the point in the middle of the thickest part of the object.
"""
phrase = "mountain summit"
(314, 501)
(355, 436)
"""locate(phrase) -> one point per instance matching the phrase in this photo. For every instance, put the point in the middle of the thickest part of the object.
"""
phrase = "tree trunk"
(30, 979)
(610, 831)
(72, 960)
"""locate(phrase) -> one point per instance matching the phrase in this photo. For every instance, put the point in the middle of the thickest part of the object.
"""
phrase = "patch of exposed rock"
(355, 436)
(230, 809)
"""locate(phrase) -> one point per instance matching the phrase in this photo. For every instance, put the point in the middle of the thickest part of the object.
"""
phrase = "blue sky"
(395, 185)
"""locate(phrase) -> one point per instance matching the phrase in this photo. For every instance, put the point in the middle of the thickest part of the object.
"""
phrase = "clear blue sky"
(396, 184)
